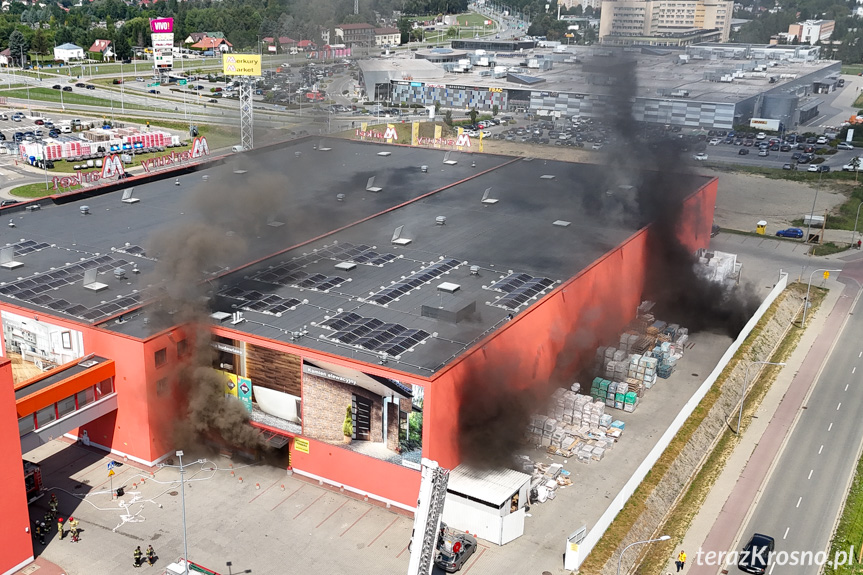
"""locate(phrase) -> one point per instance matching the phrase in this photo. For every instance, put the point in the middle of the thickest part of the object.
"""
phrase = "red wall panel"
(17, 542)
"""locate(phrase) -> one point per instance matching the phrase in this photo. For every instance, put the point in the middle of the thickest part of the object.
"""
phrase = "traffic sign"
(154, 84)
(110, 473)
(110, 465)
(182, 82)
(826, 275)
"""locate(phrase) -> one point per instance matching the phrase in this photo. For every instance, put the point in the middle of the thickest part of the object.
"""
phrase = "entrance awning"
(274, 440)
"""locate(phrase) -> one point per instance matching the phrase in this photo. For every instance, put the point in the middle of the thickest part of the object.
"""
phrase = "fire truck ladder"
(427, 518)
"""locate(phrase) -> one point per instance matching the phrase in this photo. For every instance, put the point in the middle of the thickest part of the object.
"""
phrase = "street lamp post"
(183, 503)
(662, 538)
(743, 393)
(808, 287)
(812, 213)
(857, 217)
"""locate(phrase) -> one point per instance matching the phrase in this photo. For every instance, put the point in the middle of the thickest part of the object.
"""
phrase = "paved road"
(803, 496)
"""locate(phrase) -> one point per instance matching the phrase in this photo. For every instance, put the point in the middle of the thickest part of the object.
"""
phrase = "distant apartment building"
(811, 31)
(387, 37)
(350, 34)
(595, 4)
(651, 21)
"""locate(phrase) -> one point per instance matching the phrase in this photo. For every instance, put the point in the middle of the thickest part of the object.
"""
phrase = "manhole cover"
(172, 493)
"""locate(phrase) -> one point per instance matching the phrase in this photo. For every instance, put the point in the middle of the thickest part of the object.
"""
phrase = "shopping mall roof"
(458, 267)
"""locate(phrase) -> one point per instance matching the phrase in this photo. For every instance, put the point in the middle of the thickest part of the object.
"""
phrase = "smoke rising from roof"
(494, 409)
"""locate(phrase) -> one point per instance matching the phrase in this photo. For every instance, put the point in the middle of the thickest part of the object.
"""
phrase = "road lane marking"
(860, 354)
(829, 427)
(819, 449)
(838, 406)
(786, 532)
(846, 387)
(810, 474)
(853, 370)
(799, 499)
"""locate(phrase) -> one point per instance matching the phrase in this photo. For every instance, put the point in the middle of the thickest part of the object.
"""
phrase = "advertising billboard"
(163, 59)
(162, 41)
(162, 25)
(241, 64)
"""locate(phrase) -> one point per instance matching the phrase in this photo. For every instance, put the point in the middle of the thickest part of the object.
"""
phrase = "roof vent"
(119, 273)
(486, 199)
(84, 210)
(424, 169)
(340, 197)
(440, 220)
(90, 282)
(297, 154)
(323, 147)
(33, 208)
(371, 187)
(474, 270)
(11, 223)
(127, 197)
(398, 239)
(220, 316)
(7, 258)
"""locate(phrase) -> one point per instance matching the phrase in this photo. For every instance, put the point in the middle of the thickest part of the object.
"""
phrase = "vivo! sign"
(199, 149)
(162, 25)
(112, 167)
(389, 134)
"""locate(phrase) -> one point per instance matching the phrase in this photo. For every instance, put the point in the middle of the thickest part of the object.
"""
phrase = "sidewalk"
(733, 496)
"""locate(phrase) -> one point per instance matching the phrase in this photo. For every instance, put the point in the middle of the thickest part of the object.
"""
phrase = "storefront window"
(25, 425)
(46, 416)
(86, 396)
(66, 406)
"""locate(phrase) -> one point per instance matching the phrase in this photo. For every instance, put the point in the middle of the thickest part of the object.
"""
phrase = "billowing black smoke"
(643, 179)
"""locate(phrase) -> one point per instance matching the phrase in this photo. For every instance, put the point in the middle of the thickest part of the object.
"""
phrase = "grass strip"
(71, 98)
(636, 505)
(849, 533)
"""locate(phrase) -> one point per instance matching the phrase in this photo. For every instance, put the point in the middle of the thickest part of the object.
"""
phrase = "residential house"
(196, 37)
(5, 58)
(306, 46)
(103, 48)
(207, 44)
(387, 37)
(68, 51)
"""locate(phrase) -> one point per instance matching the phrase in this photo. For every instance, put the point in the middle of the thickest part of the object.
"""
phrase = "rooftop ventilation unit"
(440, 220)
(385, 154)
(398, 239)
(237, 318)
(90, 282)
(340, 197)
(119, 274)
(127, 197)
(371, 187)
(562, 223)
(273, 222)
(7, 260)
(447, 161)
(322, 147)
(220, 316)
(486, 199)
(33, 208)
(84, 210)
(474, 270)
(424, 169)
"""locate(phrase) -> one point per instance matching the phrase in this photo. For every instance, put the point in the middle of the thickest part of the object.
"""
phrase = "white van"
(238, 149)
(65, 128)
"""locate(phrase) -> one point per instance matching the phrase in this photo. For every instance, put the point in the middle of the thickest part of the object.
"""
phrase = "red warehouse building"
(348, 315)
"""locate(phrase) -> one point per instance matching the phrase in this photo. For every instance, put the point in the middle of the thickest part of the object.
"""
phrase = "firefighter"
(73, 529)
(49, 517)
(53, 504)
(151, 554)
(60, 532)
(138, 556)
(38, 532)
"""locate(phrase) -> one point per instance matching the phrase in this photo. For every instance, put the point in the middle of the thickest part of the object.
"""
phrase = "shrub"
(348, 426)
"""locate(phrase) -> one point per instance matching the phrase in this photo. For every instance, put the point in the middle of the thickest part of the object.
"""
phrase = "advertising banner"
(244, 392)
(163, 59)
(390, 134)
(460, 138)
(241, 64)
(301, 445)
(162, 41)
(364, 126)
(164, 25)
(415, 133)
(438, 132)
(231, 385)
(480, 142)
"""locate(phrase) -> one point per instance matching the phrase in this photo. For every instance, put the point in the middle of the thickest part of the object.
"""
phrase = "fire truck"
(32, 481)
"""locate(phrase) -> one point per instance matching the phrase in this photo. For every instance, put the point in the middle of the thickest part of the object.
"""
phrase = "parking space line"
(306, 508)
(384, 531)
(355, 522)
(331, 514)
(264, 491)
(288, 497)
(403, 550)
(469, 567)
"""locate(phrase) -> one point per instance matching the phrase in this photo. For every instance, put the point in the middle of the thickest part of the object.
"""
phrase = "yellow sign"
(480, 142)
(497, 90)
(110, 473)
(438, 131)
(241, 64)
(301, 445)
(415, 134)
(826, 275)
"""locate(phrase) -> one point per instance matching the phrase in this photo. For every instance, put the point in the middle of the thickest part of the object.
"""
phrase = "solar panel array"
(133, 251)
(254, 300)
(29, 246)
(413, 281)
(290, 273)
(34, 289)
(373, 334)
(519, 288)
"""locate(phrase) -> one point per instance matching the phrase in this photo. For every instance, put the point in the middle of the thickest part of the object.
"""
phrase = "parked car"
(153, 91)
(79, 84)
(5, 203)
(821, 140)
(785, 148)
(788, 233)
(90, 87)
(701, 156)
(789, 166)
(755, 557)
(850, 167)
(760, 136)
(743, 152)
(453, 549)
(56, 87)
(845, 146)
(763, 152)
(715, 141)
(39, 122)
(67, 88)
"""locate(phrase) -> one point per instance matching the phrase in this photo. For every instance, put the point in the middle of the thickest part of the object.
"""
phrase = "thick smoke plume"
(494, 408)
(233, 212)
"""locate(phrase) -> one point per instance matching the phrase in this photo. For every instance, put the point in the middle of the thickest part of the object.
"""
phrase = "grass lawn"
(852, 69)
(37, 190)
(849, 533)
(858, 102)
(72, 98)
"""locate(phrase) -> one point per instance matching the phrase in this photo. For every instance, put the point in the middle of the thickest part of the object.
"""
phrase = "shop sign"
(199, 149)
(327, 375)
(226, 348)
(497, 90)
(301, 445)
(76, 179)
(389, 134)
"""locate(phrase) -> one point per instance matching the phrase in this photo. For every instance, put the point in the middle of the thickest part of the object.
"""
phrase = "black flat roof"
(496, 258)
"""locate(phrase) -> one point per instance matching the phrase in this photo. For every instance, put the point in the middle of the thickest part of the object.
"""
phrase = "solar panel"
(92, 314)
(233, 292)
(76, 310)
(59, 304)
(41, 299)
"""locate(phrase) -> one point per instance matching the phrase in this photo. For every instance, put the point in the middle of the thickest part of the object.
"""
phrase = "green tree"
(348, 425)
(447, 118)
(18, 46)
(473, 114)
(404, 29)
(451, 32)
(40, 43)
(495, 110)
